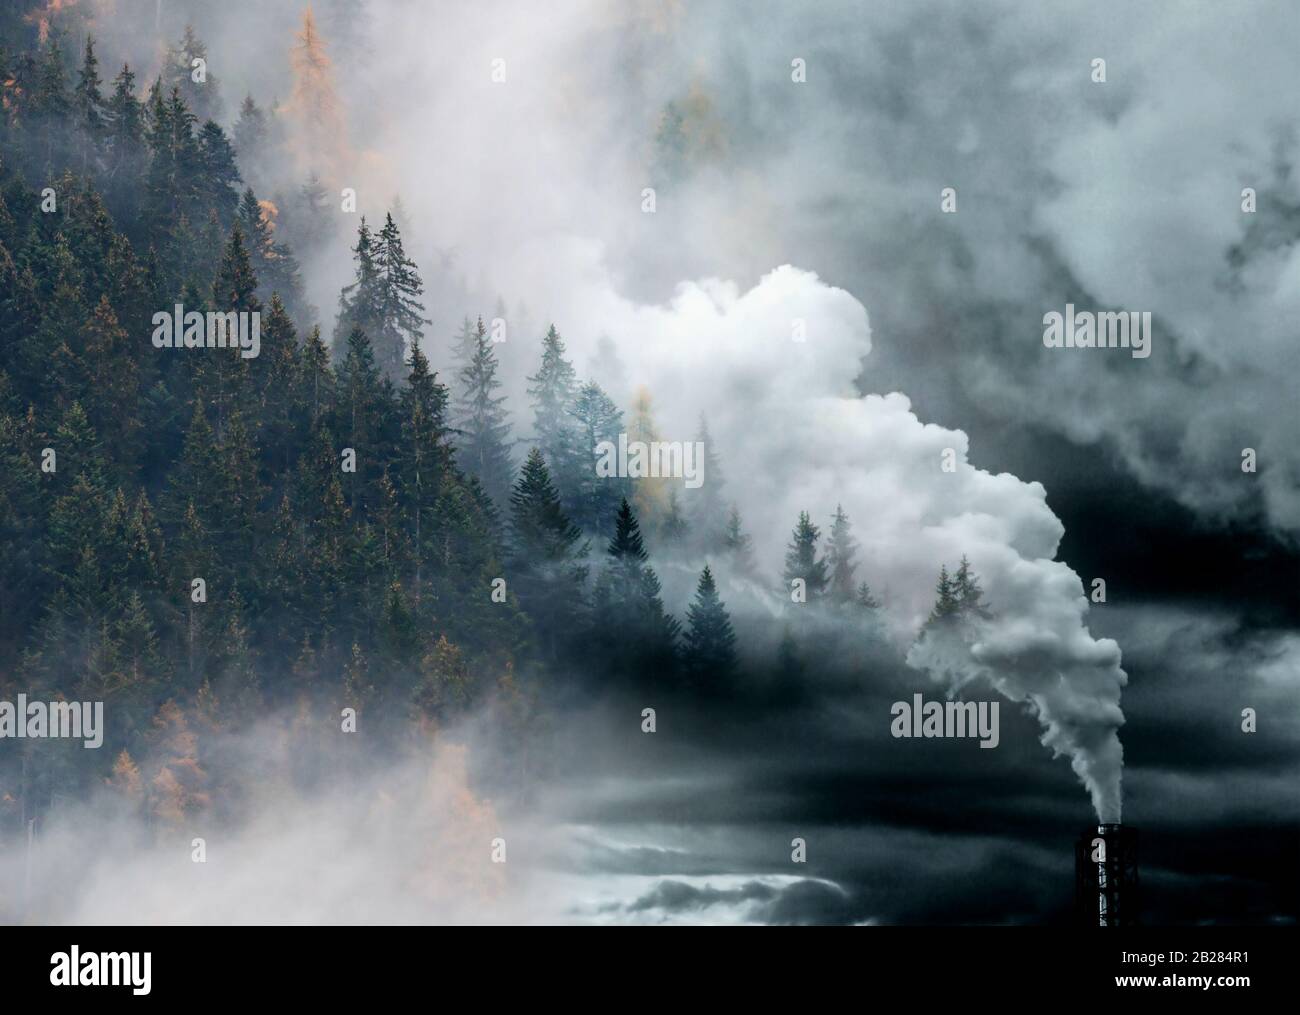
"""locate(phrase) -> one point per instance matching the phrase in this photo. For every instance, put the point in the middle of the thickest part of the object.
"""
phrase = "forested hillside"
(201, 539)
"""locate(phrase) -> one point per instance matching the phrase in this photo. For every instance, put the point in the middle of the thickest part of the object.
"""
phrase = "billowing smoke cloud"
(794, 435)
(1124, 194)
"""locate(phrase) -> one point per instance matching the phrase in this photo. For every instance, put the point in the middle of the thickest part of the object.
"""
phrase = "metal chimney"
(1106, 876)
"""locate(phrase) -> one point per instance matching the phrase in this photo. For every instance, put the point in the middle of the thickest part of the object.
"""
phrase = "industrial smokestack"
(1106, 876)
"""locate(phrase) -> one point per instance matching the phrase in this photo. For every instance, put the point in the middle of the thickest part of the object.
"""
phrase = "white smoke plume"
(794, 435)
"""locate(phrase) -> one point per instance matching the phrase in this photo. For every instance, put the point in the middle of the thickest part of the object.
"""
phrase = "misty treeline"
(459, 567)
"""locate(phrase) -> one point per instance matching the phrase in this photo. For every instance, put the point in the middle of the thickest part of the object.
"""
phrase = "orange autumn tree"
(317, 130)
(178, 789)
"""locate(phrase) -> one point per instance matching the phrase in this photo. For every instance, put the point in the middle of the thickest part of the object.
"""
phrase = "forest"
(200, 539)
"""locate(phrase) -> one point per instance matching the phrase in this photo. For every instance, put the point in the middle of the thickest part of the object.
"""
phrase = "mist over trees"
(331, 524)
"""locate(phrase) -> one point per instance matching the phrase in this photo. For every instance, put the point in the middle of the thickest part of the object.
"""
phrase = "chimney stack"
(1106, 876)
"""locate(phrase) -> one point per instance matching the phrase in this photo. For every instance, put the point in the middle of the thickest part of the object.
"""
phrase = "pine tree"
(89, 100)
(424, 459)
(637, 635)
(112, 405)
(317, 131)
(51, 104)
(250, 129)
(552, 389)
(312, 222)
(277, 388)
(739, 546)
(545, 572)
(841, 551)
(597, 498)
(401, 314)
(710, 654)
(865, 599)
(464, 345)
(125, 113)
(174, 162)
(204, 97)
(966, 589)
(272, 262)
(946, 605)
(363, 401)
(222, 376)
(483, 447)
(217, 173)
(801, 560)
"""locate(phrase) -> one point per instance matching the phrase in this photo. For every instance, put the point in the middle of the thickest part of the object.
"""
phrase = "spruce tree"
(204, 97)
(636, 633)
(125, 113)
(401, 313)
(217, 173)
(801, 560)
(710, 651)
(597, 498)
(865, 599)
(739, 546)
(250, 129)
(545, 572)
(966, 589)
(273, 263)
(359, 300)
(841, 551)
(89, 100)
(222, 376)
(552, 389)
(483, 445)
(946, 605)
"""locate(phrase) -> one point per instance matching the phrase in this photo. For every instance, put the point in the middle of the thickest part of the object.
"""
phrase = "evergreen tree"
(739, 546)
(710, 653)
(841, 551)
(217, 173)
(966, 589)
(552, 389)
(424, 459)
(635, 632)
(597, 498)
(801, 560)
(89, 100)
(250, 129)
(865, 599)
(273, 263)
(484, 443)
(174, 161)
(401, 312)
(203, 96)
(223, 375)
(312, 222)
(383, 300)
(946, 605)
(126, 118)
(359, 301)
(545, 570)
(464, 345)
(363, 399)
